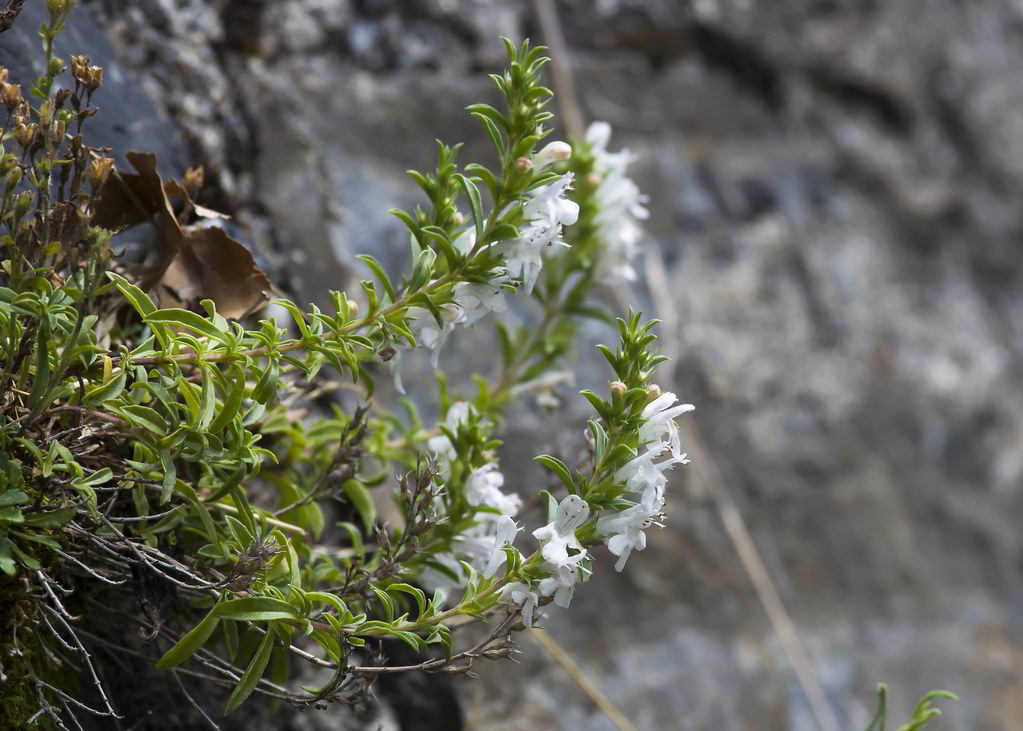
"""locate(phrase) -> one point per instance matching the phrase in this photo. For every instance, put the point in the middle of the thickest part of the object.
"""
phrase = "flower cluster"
(491, 525)
(620, 205)
(644, 476)
(546, 213)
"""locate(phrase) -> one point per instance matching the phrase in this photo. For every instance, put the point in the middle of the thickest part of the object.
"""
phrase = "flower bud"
(458, 219)
(353, 310)
(58, 8)
(22, 204)
(10, 94)
(524, 164)
(551, 153)
(46, 113)
(56, 66)
(452, 312)
(593, 179)
(653, 391)
(13, 177)
(99, 171)
(618, 389)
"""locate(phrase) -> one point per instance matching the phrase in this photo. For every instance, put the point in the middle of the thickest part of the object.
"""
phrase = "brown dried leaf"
(212, 265)
(128, 199)
(176, 191)
(193, 263)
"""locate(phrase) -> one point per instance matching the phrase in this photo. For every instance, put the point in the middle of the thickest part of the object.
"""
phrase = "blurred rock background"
(835, 191)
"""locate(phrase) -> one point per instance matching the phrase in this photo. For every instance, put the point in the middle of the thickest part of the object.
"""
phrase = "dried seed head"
(11, 95)
(24, 134)
(193, 181)
(80, 68)
(386, 353)
(99, 171)
(3, 74)
(95, 78)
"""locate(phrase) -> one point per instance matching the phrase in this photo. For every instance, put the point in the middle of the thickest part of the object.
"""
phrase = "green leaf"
(256, 609)
(191, 642)
(13, 497)
(6, 562)
(41, 378)
(413, 591)
(12, 515)
(363, 503)
(559, 468)
(379, 272)
(475, 201)
(186, 319)
(386, 601)
(252, 675)
(328, 598)
(98, 477)
(207, 400)
(268, 383)
(142, 304)
(170, 475)
(107, 391)
(56, 519)
(144, 417)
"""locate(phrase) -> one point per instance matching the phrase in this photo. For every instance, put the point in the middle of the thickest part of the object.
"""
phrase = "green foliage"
(922, 713)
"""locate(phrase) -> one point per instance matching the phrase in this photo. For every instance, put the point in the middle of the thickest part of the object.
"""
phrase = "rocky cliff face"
(836, 208)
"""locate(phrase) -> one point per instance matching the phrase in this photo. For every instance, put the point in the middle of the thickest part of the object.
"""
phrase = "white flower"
(620, 206)
(472, 301)
(478, 300)
(643, 475)
(481, 546)
(394, 366)
(562, 584)
(559, 534)
(432, 336)
(551, 153)
(626, 528)
(503, 533)
(434, 579)
(524, 596)
(440, 445)
(546, 212)
(483, 487)
(660, 428)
